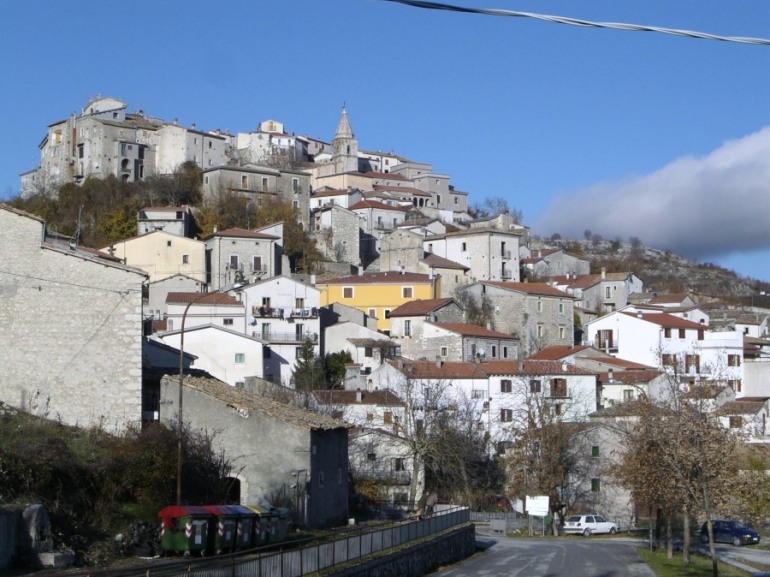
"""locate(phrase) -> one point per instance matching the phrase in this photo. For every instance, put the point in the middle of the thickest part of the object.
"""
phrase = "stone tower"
(344, 147)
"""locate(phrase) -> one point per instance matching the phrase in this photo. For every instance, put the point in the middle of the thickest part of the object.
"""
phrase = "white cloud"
(702, 208)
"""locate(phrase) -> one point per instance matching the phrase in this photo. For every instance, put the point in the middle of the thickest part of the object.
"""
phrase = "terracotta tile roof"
(387, 277)
(440, 370)
(245, 401)
(666, 320)
(629, 377)
(386, 175)
(469, 330)
(100, 254)
(236, 232)
(531, 288)
(362, 204)
(436, 261)
(623, 364)
(419, 307)
(557, 352)
(379, 397)
(411, 190)
(214, 298)
(330, 192)
(530, 367)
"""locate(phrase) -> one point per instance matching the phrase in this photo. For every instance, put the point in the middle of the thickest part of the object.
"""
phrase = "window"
(595, 451)
(373, 313)
(371, 456)
(399, 464)
(478, 394)
(558, 387)
(387, 417)
(227, 322)
(539, 306)
(244, 181)
(562, 332)
(370, 416)
(321, 479)
(628, 395)
(596, 485)
(295, 184)
(561, 308)
(347, 292)
(444, 351)
(668, 360)
(735, 384)
(736, 422)
(240, 358)
(535, 386)
(506, 386)
(233, 262)
(239, 384)
(667, 333)
(733, 360)
(406, 292)
(185, 259)
(386, 312)
(464, 247)
(168, 243)
(692, 363)
(265, 183)
(256, 263)
(367, 351)
(607, 293)
(505, 352)
(407, 328)
(506, 415)
(681, 333)
(540, 331)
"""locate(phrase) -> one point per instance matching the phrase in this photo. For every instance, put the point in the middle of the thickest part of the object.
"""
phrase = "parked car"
(589, 525)
(730, 531)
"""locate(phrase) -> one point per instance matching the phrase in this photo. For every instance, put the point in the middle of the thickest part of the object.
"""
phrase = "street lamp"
(179, 429)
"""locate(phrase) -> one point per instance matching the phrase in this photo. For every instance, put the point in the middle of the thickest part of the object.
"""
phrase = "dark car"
(730, 531)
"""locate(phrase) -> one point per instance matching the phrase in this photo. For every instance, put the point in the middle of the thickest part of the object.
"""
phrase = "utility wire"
(582, 23)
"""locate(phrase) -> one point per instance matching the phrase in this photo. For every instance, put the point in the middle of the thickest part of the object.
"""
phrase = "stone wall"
(421, 559)
(70, 330)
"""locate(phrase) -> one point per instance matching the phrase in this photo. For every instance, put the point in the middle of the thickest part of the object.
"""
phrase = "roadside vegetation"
(699, 566)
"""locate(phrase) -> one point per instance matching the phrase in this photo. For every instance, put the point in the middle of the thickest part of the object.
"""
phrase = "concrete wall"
(70, 330)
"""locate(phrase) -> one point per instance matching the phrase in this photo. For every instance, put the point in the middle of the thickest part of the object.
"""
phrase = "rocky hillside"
(665, 272)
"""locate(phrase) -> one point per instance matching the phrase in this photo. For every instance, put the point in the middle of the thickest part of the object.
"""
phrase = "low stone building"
(278, 452)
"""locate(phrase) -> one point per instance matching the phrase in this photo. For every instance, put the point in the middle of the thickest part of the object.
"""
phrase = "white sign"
(537, 506)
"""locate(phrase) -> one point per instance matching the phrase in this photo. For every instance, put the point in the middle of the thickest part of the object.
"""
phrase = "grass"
(699, 566)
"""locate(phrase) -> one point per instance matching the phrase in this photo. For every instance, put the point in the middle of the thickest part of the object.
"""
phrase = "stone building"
(278, 452)
(538, 314)
(241, 255)
(70, 329)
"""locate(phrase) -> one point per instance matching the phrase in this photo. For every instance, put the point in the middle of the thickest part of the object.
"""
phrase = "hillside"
(665, 272)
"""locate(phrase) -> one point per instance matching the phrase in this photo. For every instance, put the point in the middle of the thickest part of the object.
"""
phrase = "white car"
(588, 525)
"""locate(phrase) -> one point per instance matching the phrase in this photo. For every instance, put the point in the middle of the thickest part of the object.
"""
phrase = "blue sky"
(622, 133)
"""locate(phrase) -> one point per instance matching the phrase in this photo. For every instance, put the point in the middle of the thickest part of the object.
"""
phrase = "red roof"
(530, 367)
(215, 298)
(436, 261)
(419, 307)
(557, 352)
(387, 277)
(667, 321)
(469, 330)
(377, 397)
(362, 204)
(236, 232)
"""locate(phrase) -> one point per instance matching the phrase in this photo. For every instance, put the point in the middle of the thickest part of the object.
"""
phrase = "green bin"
(184, 529)
(223, 529)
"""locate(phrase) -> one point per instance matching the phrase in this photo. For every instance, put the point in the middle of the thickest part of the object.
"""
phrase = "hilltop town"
(334, 343)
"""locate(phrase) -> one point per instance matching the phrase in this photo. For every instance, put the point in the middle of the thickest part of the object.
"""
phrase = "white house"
(215, 308)
(283, 314)
(225, 354)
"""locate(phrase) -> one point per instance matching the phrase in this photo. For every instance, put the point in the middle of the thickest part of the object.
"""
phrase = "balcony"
(505, 254)
(276, 313)
(611, 346)
(285, 338)
(386, 476)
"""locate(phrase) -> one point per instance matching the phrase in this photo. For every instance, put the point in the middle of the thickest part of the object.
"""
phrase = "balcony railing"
(506, 254)
(284, 313)
(604, 345)
(273, 337)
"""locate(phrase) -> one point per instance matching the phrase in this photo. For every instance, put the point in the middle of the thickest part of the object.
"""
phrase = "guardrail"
(354, 545)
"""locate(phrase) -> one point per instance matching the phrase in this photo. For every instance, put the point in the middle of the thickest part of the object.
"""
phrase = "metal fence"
(354, 545)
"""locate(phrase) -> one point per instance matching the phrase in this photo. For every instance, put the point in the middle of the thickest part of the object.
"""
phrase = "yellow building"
(162, 255)
(378, 293)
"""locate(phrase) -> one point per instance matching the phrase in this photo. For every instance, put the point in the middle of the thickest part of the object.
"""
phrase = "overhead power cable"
(579, 22)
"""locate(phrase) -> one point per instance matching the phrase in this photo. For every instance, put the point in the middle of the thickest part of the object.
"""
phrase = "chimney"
(610, 375)
(359, 396)
(564, 366)
(604, 273)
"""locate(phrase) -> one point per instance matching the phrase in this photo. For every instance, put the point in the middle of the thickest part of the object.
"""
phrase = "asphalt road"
(592, 557)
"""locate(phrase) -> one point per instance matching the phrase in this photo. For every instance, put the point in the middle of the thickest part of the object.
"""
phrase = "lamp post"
(179, 425)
